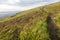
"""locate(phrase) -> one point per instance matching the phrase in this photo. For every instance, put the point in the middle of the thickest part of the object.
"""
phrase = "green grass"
(36, 32)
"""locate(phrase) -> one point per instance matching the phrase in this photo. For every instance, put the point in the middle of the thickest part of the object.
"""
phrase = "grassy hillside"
(42, 23)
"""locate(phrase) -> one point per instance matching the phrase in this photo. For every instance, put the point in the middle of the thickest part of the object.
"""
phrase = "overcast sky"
(10, 7)
(15, 5)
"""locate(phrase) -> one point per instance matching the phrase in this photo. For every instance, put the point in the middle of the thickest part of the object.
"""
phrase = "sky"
(20, 5)
(10, 7)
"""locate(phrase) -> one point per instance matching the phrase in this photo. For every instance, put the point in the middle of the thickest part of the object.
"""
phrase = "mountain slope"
(41, 23)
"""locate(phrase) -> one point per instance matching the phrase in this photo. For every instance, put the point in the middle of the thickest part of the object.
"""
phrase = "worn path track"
(52, 28)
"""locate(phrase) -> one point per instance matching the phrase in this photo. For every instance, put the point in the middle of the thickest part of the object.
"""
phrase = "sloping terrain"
(42, 23)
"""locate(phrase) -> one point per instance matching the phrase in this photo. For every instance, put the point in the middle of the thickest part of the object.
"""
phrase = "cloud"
(32, 2)
(24, 2)
(16, 5)
(9, 1)
(4, 7)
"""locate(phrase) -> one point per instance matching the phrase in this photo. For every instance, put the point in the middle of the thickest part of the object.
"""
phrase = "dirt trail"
(52, 28)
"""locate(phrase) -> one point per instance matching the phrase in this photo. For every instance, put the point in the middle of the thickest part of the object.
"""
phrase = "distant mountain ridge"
(7, 14)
